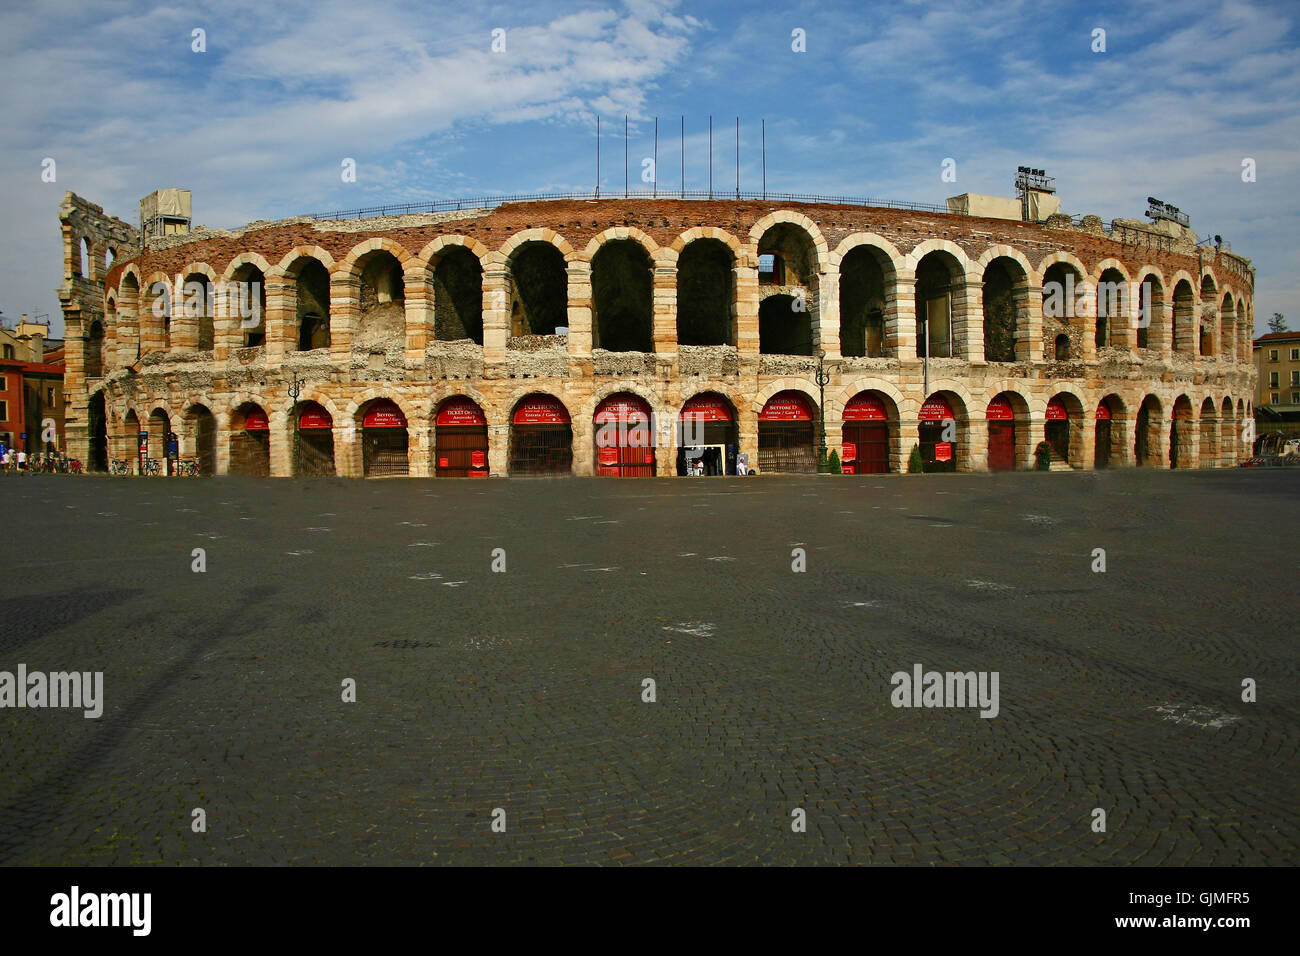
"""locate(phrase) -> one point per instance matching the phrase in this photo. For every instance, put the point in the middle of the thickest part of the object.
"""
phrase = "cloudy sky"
(258, 125)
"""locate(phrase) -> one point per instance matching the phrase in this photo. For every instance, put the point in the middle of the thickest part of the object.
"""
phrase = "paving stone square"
(522, 689)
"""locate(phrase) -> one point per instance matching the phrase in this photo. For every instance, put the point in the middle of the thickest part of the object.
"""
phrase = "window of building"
(9, 351)
(49, 395)
(1272, 355)
(1295, 355)
(1295, 379)
(1272, 379)
(4, 411)
(4, 383)
(1295, 398)
(1274, 400)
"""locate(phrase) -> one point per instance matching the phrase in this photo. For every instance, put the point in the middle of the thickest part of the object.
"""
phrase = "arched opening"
(1004, 287)
(622, 287)
(941, 431)
(250, 441)
(134, 441)
(199, 307)
(869, 434)
(784, 326)
(110, 254)
(85, 264)
(623, 437)
(163, 449)
(311, 284)
(460, 439)
(540, 290)
(314, 457)
(1184, 332)
(94, 350)
(1228, 328)
(382, 317)
(1008, 424)
(1146, 434)
(1063, 291)
(1209, 448)
(1107, 451)
(128, 321)
(458, 296)
(1151, 309)
(938, 274)
(246, 301)
(786, 434)
(199, 439)
(787, 257)
(541, 437)
(1229, 439)
(384, 439)
(97, 426)
(1181, 434)
(1112, 307)
(707, 437)
(865, 274)
(1063, 429)
(705, 293)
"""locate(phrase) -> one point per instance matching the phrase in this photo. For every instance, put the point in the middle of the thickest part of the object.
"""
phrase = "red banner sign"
(478, 459)
(706, 408)
(943, 451)
(648, 458)
(623, 410)
(936, 409)
(384, 415)
(541, 410)
(846, 469)
(479, 474)
(607, 456)
(460, 411)
(1103, 413)
(865, 408)
(255, 421)
(313, 416)
(1000, 410)
(444, 462)
(1056, 411)
(786, 407)
(849, 452)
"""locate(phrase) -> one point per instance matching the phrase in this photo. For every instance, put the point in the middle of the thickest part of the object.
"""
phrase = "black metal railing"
(489, 202)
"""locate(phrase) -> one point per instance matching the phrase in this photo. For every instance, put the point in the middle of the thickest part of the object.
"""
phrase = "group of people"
(19, 462)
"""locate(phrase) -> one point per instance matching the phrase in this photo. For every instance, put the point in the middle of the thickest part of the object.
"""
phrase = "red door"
(871, 441)
(1002, 446)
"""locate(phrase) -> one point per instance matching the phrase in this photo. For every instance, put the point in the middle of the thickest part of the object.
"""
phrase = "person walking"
(22, 462)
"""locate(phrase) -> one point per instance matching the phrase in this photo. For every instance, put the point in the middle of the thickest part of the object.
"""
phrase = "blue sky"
(258, 124)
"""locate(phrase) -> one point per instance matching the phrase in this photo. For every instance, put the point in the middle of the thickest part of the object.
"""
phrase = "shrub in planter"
(833, 463)
(1043, 457)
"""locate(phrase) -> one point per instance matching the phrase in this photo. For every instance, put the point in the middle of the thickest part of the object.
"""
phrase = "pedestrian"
(22, 462)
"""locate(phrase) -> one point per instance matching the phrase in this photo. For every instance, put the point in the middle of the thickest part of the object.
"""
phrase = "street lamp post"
(823, 377)
(295, 389)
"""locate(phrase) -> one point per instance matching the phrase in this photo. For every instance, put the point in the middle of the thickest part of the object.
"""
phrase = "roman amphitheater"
(640, 336)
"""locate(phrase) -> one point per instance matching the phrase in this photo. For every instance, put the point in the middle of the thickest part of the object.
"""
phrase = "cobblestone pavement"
(523, 690)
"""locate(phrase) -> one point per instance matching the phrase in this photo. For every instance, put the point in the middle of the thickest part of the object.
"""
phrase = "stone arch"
(249, 258)
(927, 246)
(615, 233)
(291, 259)
(1003, 251)
(1152, 301)
(868, 274)
(549, 236)
(622, 291)
(707, 232)
(836, 402)
(786, 383)
(941, 272)
(351, 263)
(411, 408)
(896, 259)
(1006, 282)
(790, 217)
(705, 288)
(425, 257)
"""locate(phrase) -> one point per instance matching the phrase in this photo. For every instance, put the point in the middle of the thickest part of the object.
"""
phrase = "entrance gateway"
(541, 437)
(785, 435)
(384, 440)
(706, 436)
(1002, 434)
(936, 416)
(1057, 430)
(1101, 450)
(460, 440)
(865, 447)
(624, 439)
(315, 442)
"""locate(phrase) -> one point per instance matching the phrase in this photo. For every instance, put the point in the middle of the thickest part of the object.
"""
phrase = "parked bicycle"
(187, 468)
(151, 466)
(119, 466)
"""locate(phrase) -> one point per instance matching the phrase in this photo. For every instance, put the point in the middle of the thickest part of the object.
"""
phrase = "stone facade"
(394, 282)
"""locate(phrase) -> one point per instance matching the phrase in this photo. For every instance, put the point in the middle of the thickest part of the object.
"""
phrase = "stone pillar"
(827, 328)
(1088, 436)
(499, 450)
(497, 288)
(1029, 324)
(968, 320)
(664, 279)
(419, 291)
(584, 439)
(900, 316)
(974, 438)
(280, 321)
(281, 438)
(579, 288)
(345, 312)
(1085, 318)
(745, 309)
(747, 434)
(347, 448)
(419, 448)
